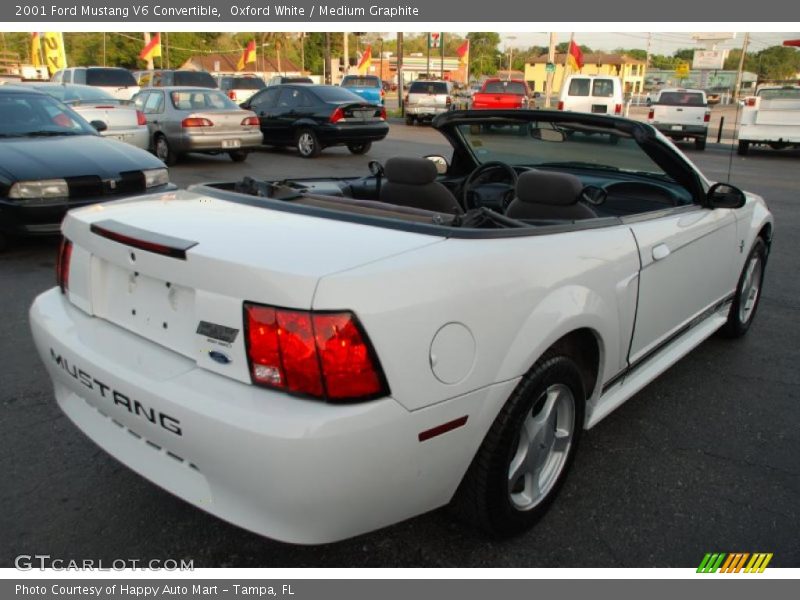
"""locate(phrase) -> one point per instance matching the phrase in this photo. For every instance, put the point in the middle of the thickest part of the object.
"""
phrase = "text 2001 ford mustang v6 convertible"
(312, 359)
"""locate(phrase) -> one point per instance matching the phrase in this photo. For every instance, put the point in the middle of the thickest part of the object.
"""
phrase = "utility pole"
(346, 47)
(738, 88)
(328, 58)
(400, 97)
(551, 60)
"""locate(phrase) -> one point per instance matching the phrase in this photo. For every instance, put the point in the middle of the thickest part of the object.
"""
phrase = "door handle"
(660, 252)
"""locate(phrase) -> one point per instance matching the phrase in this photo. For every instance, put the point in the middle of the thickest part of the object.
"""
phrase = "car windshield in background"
(681, 99)
(562, 144)
(780, 94)
(201, 100)
(197, 78)
(330, 93)
(23, 115)
(74, 94)
(428, 87)
(505, 87)
(361, 82)
(110, 77)
(243, 83)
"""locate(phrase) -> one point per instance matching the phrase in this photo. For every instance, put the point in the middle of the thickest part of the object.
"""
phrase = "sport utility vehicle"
(118, 82)
(426, 99)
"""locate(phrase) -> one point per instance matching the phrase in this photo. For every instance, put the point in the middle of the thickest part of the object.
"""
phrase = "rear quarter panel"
(516, 296)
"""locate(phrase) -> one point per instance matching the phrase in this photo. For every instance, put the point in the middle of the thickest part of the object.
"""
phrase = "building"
(225, 64)
(630, 70)
(706, 79)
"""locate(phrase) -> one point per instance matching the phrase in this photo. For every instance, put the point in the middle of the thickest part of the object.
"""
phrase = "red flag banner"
(463, 53)
(248, 56)
(152, 48)
(575, 56)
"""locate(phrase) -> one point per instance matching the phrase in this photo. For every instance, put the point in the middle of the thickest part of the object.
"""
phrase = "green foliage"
(484, 57)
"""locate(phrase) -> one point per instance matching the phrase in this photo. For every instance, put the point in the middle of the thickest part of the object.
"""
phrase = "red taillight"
(232, 95)
(750, 102)
(651, 115)
(140, 118)
(560, 105)
(196, 122)
(707, 117)
(383, 113)
(324, 355)
(337, 115)
(618, 109)
(250, 122)
(448, 101)
(62, 264)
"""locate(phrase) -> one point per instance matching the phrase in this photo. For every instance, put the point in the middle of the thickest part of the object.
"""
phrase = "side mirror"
(537, 94)
(547, 134)
(100, 126)
(724, 195)
(440, 162)
(245, 105)
(375, 168)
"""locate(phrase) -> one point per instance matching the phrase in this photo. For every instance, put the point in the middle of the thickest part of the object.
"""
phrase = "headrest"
(548, 187)
(414, 171)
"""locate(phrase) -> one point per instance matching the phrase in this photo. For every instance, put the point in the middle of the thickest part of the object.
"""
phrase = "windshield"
(564, 144)
(202, 100)
(110, 77)
(74, 93)
(23, 115)
(681, 99)
(242, 83)
(367, 81)
(428, 87)
(780, 94)
(328, 93)
(505, 87)
(196, 78)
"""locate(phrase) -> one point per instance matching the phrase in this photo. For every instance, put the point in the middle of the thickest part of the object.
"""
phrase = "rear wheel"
(524, 458)
(409, 119)
(700, 143)
(359, 147)
(748, 292)
(307, 143)
(163, 151)
(238, 155)
(744, 147)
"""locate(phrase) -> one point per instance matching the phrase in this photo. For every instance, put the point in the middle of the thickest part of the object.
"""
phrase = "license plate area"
(599, 108)
(231, 143)
(677, 128)
(160, 311)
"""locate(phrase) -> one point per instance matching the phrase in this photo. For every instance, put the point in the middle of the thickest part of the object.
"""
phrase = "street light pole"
(551, 60)
(510, 54)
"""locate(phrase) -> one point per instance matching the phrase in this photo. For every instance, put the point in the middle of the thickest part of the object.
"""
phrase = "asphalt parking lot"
(703, 459)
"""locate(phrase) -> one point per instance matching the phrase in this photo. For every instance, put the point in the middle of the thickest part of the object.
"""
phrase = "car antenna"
(733, 139)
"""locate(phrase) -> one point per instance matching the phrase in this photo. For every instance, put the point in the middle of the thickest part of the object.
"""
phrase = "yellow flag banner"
(54, 54)
(36, 50)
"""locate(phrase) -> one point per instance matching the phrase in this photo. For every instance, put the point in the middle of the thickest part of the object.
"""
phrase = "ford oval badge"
(219, 357)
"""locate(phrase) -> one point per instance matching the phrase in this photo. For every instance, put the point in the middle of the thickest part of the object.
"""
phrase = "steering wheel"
(474, 177)
(593, 195)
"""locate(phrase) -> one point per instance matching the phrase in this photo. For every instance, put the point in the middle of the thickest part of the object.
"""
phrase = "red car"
(502, 93)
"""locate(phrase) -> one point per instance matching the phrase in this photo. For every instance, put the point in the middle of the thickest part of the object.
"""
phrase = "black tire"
(359, 147)
(487, 496)
(409, 120)
(5, 242)
(700, 143)
(163, 151)
(739, 320)
(744, 147)
(238, 155)
(307, 143)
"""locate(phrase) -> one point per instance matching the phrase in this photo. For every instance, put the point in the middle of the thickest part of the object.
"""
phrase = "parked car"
(426, 99)
(118, 82)
(192, 119)
(681, 113)
(52, 160)
(599, 94)
(367, 86)
(502, 93)
(313, 358)
(770, 118)
(281, 79)
(175, 77)
(240, 89)
(123, 121)
(313, 117)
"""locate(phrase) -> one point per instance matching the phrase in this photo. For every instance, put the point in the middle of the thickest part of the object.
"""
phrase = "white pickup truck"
(680, 114)
(771, 117)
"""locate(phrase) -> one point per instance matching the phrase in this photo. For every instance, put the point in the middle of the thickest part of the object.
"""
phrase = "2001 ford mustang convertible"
(312, 359)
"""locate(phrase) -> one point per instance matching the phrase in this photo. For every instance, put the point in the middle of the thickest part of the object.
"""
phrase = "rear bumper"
(138, 136)
(426, 111)
(342, 133)
(769, 133)
(44, 217)
(296, 470)
(685, 131)
(213, 142)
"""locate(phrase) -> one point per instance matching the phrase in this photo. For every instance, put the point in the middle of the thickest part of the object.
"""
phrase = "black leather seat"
(549, 195)
(412, 182)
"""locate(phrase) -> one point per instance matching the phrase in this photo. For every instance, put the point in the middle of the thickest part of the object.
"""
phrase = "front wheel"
(359, 147)
(163, 150)
(307, 144)
(744, 147)
(409, 120)
(527, 452)
(748, 292)
(700, 143)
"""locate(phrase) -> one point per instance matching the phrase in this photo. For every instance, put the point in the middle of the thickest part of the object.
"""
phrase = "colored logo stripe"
(734, 562)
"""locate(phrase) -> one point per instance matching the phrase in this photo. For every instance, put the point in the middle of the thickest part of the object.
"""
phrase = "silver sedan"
(193, 119)
(122, 120)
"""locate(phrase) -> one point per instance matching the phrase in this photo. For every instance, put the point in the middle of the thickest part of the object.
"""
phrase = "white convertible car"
(311, 359)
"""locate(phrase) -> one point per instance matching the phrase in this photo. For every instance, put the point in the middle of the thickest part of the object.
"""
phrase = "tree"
(483, 53)
(564, 46)
(778, 63)
(685, 54)
(636, 53)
